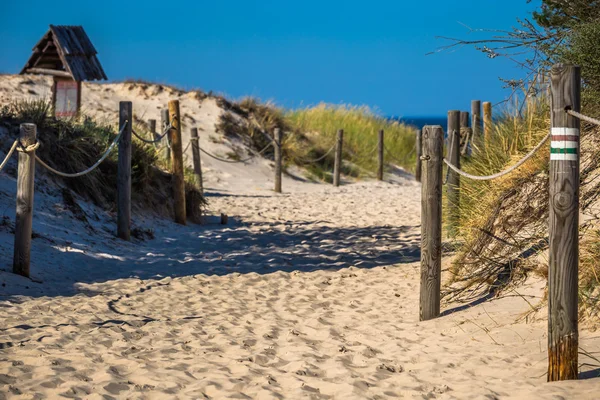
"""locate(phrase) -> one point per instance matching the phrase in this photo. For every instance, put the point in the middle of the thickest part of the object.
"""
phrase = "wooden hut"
(67, 54)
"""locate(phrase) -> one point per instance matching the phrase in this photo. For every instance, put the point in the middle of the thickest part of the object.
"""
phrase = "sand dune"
(307, 295)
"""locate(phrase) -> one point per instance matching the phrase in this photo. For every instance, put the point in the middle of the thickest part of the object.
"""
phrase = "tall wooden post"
(277, 140)
(166, 141)
(124, 172)
(453, 186)
(177, 163)
(196, 158)
(431, 223)
(563, 336)
(419, 152)
(337, 167)
(464, 128)
(25, 190)
(476, 121)
(380, 160)
(487, 121)
(152, 127)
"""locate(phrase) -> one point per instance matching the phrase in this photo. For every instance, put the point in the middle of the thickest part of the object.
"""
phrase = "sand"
(305, 295)
(312, 294)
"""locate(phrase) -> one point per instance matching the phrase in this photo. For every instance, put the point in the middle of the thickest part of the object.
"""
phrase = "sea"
(420, 122)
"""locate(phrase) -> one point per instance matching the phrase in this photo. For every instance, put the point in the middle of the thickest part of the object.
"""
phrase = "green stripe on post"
(563, 151)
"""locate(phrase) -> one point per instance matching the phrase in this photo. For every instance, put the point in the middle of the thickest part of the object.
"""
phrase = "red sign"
(66, 98)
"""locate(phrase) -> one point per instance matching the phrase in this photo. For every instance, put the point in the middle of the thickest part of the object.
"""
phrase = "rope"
(90, 169)
(235, 161)
(9, 154)
(499, 174)
(450, 150)
(157, 139)
(320, 158)
(584, 117)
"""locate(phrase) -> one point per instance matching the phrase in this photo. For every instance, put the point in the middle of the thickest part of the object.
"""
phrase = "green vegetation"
(73, 145)
(361, 126)
(310, 134)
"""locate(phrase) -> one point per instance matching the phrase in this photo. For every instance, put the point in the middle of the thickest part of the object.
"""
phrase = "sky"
(294, 53)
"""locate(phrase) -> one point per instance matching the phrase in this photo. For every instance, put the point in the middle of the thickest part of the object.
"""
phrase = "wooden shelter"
(67, 54)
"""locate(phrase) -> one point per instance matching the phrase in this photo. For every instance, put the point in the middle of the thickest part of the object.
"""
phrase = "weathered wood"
(277, 140)
(487, 121)
(124, 172)
(419, 151)
(52, 72)
(337, 167)
(152, 127)
(166, 141)
(453, 185)
(431, 223)
(177, 163)
(196, 158)
(464, 129)
(380, 159)
(25, 191)
(476, 120)
(563, 336)
(464, 119)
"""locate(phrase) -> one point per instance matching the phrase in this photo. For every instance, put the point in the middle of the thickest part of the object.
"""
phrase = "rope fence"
(90, 169)
(156, 139)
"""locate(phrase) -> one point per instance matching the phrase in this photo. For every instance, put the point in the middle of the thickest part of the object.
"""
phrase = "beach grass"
(361, 125)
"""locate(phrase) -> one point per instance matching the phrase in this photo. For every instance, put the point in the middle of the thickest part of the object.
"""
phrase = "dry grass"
(504, 223)
(72, 145)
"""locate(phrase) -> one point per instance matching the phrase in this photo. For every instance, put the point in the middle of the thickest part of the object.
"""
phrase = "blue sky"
(296, 53)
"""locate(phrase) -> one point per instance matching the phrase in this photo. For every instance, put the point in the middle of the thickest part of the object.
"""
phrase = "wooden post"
(152, 127)
(177, 163)
(419, 152)
(563, 336)
(25, 190)
(476, 120)
(166, 141)
(464, 126)
(487, 121)
(431, 223)
(196, 158)
(453, 186)
(380, 160)
(277, 140)
(124, 172)
(338, 157)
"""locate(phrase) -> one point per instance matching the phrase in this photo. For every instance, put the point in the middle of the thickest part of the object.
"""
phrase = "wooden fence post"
(338, 157)
(166, 141)
(464, 127)
(25, 190)
(152, 127)
(453, 186)
(419, 152)
(487, 121)
(177, 163)
(476, 120)
(563, 336)
(277, 140)
(196, 158)
(380, 148)
(124, 172)
(431, 223)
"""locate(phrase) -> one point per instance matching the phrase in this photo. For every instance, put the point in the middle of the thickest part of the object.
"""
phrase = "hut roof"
(65, 51)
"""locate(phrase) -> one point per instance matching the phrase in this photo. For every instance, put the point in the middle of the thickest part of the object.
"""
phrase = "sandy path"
(229, 321)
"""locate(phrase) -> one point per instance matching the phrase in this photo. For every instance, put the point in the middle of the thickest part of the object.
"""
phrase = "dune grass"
(72, 145)
(503, 229)
(361, 126)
